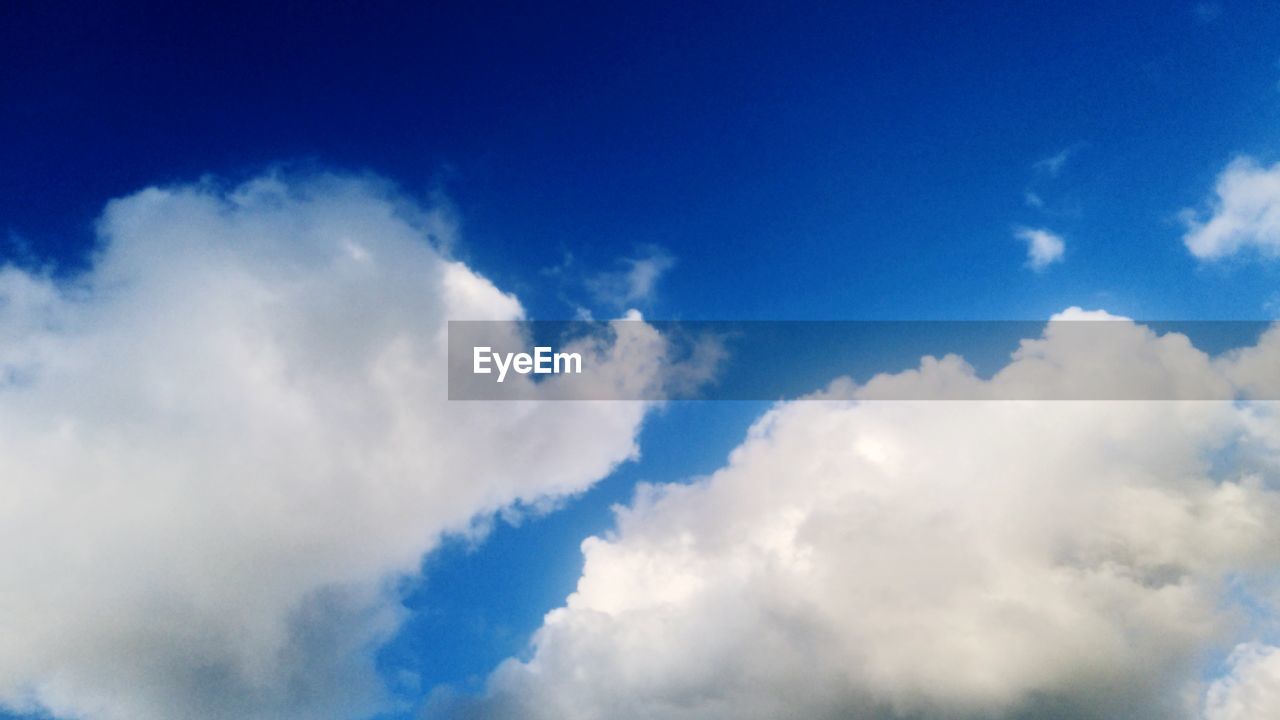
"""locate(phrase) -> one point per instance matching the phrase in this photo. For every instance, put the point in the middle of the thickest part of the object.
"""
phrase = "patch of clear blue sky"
(822, 160)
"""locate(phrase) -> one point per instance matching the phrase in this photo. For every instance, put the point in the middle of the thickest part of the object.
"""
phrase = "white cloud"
(223, 443)
(872, 560)
(1043, 247)
(1244, 215)
(1252, 690)
(635, 283)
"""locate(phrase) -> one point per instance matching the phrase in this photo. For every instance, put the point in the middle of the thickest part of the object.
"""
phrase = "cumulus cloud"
(1244, 215)
(859, 559)
(1043, 247)
(1252, 690)
(223, 443)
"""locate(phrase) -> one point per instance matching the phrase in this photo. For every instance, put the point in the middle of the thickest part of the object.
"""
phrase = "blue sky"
(848, 161)
(830, 161)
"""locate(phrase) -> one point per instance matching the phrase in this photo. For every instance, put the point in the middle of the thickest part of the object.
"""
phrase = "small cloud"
(1043, 247)
(1054, 164)
(635, 282)
(1271, 306)
(1037, 193)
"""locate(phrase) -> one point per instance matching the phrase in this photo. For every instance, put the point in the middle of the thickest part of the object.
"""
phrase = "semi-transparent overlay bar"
(1076, 359)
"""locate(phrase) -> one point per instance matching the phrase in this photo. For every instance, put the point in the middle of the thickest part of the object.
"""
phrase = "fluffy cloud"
(223, 443)
(1245, 214)
(1043, 247)
(860, 559)
(1252, 690)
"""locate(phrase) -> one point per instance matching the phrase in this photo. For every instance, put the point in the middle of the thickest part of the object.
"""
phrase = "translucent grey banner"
(1081, 358)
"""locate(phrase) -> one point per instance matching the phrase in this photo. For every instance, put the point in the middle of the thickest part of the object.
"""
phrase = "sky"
(281, 205)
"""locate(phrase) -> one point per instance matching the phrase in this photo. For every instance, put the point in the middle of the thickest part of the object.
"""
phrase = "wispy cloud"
(1054, 164)
(634, 282)
(1043, 192)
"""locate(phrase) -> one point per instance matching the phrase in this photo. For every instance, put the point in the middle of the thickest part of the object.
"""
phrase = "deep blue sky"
(821, 160)
(840, 161)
